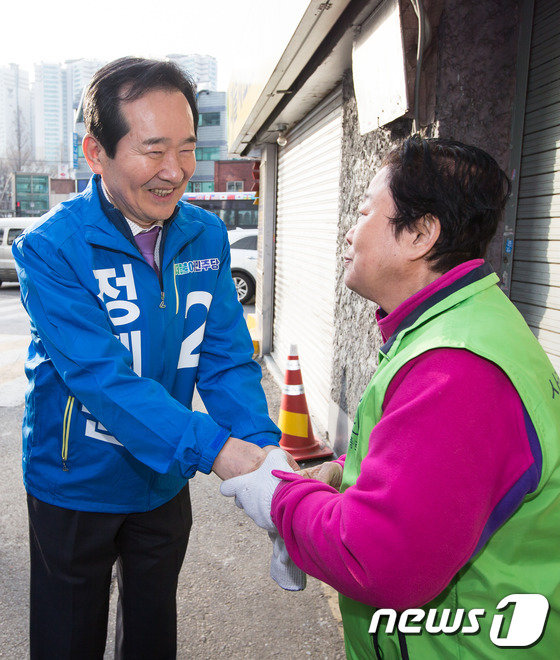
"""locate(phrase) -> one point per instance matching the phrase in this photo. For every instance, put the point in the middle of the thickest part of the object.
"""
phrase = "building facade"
(338, 111)
(211, 144)
(16, 133)
(80, 72)
(236, 175)
(52, 98)
(56, 96)
(30, 194)
(61, 190)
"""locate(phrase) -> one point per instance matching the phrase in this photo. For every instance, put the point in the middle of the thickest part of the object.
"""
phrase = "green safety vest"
(523, 555)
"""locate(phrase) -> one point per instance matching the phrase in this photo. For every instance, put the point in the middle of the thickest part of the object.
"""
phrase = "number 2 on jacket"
(187, 358)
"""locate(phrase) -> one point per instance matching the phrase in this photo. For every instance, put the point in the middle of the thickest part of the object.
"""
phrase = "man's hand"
(238, 457)
(329, 473)
(253, 491)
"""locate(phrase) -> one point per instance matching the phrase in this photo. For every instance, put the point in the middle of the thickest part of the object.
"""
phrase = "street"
(227, 604)
(14, 338)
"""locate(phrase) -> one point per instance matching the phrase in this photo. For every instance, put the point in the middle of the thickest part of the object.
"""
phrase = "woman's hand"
(329, 473)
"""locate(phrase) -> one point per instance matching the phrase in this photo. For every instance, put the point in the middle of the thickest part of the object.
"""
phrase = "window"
(234, 212)
(209, 119)
(13, 234)
(248, 217)
(200, 186)
(40, 185)
(245, 243)
(207, 153)
(234, 186)
(35, 205)
(23, 185)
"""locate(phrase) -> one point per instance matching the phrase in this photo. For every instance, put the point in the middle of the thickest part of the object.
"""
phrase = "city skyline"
(29, 69)
(42, 110)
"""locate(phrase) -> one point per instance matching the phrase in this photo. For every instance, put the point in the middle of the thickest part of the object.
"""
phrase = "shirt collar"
(137, 229)
(124, 225)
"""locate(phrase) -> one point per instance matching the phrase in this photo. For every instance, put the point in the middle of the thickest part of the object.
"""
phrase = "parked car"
(243, 244)
(10, 229)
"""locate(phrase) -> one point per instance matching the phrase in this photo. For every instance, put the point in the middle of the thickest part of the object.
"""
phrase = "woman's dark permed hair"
(125, 80)
(461, 185)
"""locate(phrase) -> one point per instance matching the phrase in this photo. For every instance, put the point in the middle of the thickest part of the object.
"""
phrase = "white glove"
(253, 491)
(282, 569)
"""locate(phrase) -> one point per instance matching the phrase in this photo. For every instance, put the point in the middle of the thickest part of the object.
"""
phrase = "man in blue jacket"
(132, 303)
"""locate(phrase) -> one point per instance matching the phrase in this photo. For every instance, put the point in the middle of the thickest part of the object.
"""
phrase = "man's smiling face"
(154, 160)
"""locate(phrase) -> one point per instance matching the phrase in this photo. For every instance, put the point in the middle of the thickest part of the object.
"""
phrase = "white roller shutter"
(535, 285)
(306, 236)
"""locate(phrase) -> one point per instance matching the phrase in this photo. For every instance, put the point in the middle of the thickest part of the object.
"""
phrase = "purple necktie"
(146, 241)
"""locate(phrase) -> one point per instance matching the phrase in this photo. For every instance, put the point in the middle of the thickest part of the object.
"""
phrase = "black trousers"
(72, 555)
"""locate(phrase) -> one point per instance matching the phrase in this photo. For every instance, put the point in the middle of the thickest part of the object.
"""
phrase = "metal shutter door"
(306, 264)
(535, 288)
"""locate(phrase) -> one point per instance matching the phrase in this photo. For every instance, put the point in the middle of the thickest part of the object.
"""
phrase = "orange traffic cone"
(295, 424)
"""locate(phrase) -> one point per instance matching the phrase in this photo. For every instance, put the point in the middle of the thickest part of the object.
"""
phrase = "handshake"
(253, 493)
(246, 471)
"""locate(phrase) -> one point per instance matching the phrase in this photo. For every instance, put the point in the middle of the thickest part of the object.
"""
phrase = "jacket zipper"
(160, 280)
(176, 292)
(162, 304)
(66, 431)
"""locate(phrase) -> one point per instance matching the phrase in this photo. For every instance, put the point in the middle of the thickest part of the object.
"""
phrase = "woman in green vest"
(440, 527)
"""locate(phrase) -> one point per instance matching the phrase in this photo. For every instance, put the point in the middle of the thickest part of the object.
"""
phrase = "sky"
(239, 33)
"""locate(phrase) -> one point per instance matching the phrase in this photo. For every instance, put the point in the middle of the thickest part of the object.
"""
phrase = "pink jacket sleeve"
(450, 445)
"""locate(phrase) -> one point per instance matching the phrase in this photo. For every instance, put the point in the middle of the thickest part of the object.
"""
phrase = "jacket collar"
(105, 226)
(455, 291)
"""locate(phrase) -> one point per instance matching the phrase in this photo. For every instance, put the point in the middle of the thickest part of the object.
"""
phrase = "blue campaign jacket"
(115, 354)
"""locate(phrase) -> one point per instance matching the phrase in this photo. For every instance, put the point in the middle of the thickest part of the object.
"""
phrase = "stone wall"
(356, 337)
(477, 51)
(476, 46)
